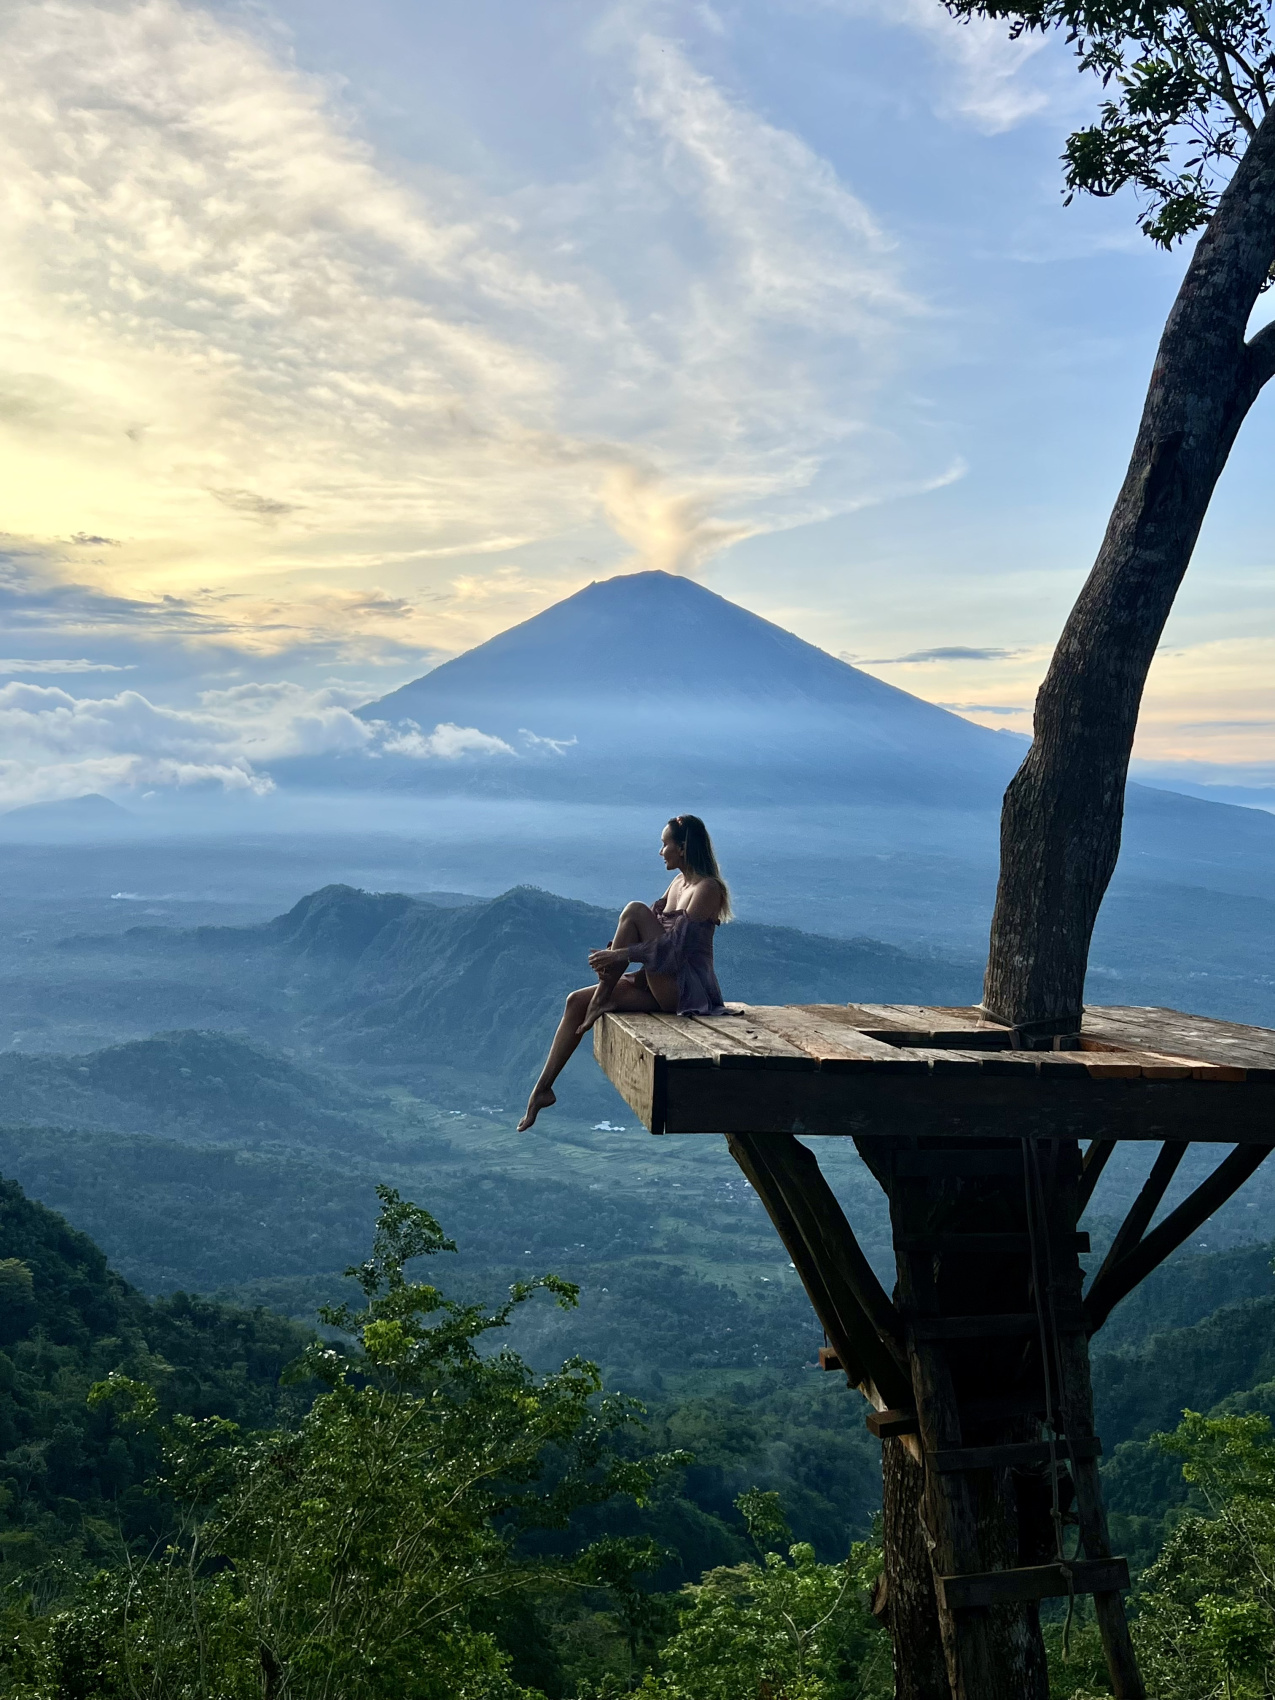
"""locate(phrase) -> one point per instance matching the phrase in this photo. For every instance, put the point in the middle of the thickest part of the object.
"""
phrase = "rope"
(1050, 1355)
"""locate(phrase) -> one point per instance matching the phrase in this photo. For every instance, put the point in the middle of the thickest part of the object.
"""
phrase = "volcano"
(648, 684)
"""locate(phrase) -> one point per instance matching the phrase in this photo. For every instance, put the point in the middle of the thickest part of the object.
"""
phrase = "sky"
(335, 339)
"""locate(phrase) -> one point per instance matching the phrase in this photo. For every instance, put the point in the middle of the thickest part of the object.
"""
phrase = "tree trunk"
(1060, 825)
(906, 1598)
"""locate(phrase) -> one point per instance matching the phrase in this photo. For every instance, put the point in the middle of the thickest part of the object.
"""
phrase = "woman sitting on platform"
(673, 942)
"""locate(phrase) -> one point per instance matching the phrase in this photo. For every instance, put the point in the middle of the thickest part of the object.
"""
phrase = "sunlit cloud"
(238, 352)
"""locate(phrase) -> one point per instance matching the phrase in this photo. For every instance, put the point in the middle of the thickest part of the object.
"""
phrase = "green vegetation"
(433, 1525)
(183, 1518)
(73, 1488)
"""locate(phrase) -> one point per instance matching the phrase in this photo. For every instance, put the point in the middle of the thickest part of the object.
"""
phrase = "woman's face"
(673, 853)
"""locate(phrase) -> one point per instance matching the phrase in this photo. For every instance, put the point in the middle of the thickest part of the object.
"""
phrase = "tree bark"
(1061, 821)
(906, 1598)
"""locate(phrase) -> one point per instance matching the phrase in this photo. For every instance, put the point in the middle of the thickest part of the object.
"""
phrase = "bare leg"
(637, 924)
(564, 1043)
(627, 995)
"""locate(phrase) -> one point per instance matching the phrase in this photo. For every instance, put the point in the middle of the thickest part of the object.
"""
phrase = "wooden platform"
(878, 1070)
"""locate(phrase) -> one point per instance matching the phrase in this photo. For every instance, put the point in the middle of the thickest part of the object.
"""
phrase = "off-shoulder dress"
(684, 950)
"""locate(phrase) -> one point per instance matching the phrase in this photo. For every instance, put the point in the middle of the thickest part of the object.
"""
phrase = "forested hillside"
(103, 1391)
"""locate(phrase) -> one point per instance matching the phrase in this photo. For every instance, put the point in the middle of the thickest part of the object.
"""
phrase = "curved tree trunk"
(1060, 825)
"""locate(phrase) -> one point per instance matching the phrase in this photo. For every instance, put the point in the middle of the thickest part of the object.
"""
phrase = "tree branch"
(1261, 357)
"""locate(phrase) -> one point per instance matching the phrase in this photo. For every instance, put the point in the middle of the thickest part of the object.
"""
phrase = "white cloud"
(20, 665)
(985, 81)
(58, 745)
(233, 344)
(446, 742)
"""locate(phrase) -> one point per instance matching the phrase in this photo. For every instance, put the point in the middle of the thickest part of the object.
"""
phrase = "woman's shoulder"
(706, 899)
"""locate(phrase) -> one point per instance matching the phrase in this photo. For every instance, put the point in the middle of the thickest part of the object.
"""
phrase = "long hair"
(691, 837)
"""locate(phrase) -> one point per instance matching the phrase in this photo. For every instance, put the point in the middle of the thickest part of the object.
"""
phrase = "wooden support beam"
(1094, 1161)
(855, 1309)
(1111, 1285)
(1016, 1455)
(1034, 1582)
(1141, 1210)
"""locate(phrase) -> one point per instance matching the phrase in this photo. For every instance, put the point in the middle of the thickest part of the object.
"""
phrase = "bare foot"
(602, 1000)
(540, 1099)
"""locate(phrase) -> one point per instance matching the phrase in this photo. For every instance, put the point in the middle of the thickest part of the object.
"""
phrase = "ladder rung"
(990, 1327)
(939, 1165)
(884, 1424)
(989, 1242)
(1024, 1453)
(1034, 1582)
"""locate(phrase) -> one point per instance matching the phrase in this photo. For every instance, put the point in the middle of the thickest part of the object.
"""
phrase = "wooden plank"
(1178, 1034)
(975, 1105)
(1034, 1582)
(1021, 1454)
(834, 1045)
(732, 1042)
(886, 1424)
(920, 1018)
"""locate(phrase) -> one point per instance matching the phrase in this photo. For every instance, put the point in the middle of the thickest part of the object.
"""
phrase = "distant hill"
(190, 1085)
(68, 819)
(476, 990)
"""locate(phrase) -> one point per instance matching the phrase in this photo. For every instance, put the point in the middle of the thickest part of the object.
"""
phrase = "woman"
(673, 940)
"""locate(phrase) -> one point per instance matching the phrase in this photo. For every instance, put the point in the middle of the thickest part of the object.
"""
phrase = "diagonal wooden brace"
(850, 1302)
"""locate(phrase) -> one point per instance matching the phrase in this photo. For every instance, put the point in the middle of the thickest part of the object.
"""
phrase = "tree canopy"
(1187, 86)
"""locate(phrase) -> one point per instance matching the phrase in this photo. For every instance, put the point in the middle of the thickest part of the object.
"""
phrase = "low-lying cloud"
(57, 745)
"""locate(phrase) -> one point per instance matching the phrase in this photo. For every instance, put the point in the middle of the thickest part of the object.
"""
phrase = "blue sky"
(337, 338)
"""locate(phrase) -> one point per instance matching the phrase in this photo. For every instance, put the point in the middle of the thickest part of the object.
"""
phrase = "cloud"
(557, 746)
(8, 668)
(240, 349)
(58, 745)
(985, 707)
(945, 652)
(984, 82)
(446, 742)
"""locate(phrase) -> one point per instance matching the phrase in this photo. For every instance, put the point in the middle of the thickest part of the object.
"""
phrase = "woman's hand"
(602, 960)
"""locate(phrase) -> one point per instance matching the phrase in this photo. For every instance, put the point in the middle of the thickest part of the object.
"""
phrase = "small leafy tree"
(354, 1556)
(787, 1628)
(1206, 1619)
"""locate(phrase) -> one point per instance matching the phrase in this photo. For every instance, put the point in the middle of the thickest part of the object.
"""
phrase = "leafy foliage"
(1188, 82)
(73, 1487)
(1206, 1620)
(353, 1554)
(788, 1627)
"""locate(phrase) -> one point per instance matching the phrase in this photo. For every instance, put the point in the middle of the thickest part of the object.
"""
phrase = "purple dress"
(686, 951)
